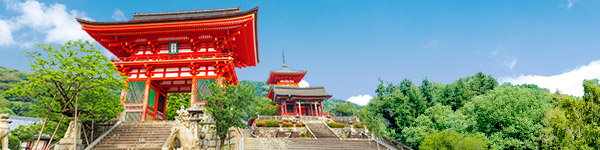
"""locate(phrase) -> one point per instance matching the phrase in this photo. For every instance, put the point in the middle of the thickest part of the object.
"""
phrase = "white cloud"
(53, 22)
(431, 44)
(118, 15)
(303, 84)
(494, 53)
(360, 99)
(569, 82)
(569, 4)
(503, 58)
(5, 34)
(510, 63)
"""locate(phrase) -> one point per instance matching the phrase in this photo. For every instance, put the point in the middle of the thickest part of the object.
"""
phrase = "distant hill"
(19, 106)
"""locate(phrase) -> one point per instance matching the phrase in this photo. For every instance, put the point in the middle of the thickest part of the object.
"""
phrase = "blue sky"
(347, 45)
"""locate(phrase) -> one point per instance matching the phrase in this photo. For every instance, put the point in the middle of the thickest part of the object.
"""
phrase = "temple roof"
(185, 14)
(201, 14)
(302, 92)
(285, 69)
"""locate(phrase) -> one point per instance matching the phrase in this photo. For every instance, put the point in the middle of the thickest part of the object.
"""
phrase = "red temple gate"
(176, 52)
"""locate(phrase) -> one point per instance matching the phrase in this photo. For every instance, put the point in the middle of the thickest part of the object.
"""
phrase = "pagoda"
(293, 100)
(176, 52)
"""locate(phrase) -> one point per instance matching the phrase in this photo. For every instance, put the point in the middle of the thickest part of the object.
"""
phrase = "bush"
(269, 123)
(358, 125)
(273, 123)
(335, 125)
(287, 124)
(13, 142)
(453, 140)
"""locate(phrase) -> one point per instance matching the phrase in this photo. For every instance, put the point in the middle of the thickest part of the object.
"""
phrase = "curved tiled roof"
(285, 69)
(299, 91)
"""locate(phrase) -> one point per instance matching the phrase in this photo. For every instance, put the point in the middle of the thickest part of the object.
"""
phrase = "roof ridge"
(187, 11)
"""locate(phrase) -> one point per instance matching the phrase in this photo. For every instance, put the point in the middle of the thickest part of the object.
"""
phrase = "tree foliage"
(174, 102)
(510, 116)
(262, 106)
(450, 140)
(573, 123)
(75, 70)
(463, 89)
(13, 142)
(227, 104)
(435, 119)
(344, 109)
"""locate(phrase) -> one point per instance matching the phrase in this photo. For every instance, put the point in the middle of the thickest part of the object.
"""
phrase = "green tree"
(344, 109)
(435, 119)
(174, 102)
(463, 89)
(226, 104)
(30, 132)
(13, 142)
(510, 116)
(450, 140)
(72, 72)
(263, 106)
(372, 121)
(433, 92)
(573, 123)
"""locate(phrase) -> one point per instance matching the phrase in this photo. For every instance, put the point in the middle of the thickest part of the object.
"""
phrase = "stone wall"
(271, 132)
(344, 132)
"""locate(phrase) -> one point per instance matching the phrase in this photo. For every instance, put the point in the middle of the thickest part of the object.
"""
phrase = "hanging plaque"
(173, 48)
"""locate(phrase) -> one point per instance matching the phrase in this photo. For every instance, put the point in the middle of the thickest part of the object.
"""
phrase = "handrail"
(311, 133)
(331, 130)
(388, 146)
(103, 135)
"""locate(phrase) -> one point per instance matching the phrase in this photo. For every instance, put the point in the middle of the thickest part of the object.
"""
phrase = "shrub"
(13, 142)
(335, 125)
(287, 124)
(358, 125)
(299, 124)
(269, 123)
(261, 123)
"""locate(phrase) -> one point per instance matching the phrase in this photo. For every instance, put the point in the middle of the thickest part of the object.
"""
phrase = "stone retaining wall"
(271, 132)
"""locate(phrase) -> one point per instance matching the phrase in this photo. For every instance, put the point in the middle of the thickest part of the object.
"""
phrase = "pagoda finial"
(283, 55)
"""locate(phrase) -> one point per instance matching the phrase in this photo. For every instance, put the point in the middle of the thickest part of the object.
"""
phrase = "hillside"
(13, 105)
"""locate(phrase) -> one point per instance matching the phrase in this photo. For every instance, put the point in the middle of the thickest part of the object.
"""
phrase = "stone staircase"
(320, 130)
(147, 135)
(298, 144)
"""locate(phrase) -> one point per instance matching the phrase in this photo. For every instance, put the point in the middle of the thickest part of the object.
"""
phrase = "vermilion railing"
(172, 57)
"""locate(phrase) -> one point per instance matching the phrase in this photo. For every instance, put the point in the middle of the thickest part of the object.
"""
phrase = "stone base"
(67, 144)
(281, 134)
(296, 134)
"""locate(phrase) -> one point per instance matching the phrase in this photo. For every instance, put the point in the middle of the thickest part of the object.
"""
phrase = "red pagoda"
(292, 99)
(176, 52)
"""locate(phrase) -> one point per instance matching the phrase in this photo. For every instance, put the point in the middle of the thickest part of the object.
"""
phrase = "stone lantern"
(196, 115)
(294, 121)
(280, 123)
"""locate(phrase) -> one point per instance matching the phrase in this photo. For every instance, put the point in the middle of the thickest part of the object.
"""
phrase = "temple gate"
(292, 99)
(176, 52)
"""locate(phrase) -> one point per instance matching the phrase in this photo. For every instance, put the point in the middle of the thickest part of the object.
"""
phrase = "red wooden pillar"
(321, 105)
(194, 86)
(146, 96)
(284, 108)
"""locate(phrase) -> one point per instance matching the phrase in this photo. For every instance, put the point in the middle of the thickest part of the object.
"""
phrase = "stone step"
(137, 135)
